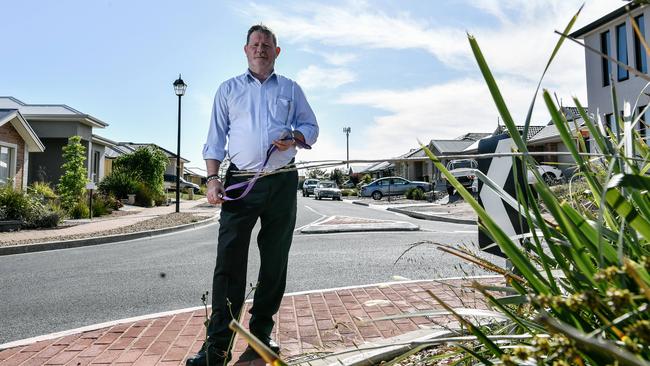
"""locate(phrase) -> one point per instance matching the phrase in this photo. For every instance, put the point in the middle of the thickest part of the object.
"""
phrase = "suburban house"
(548, 140)
(194, 175)
(613, 35)
(54, 124)
(17, 142)
(415, 165)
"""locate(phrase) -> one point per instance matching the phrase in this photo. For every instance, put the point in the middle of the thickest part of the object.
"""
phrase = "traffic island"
(345, 224)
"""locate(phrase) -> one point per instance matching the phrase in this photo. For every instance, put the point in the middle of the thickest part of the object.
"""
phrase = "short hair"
(263, 29)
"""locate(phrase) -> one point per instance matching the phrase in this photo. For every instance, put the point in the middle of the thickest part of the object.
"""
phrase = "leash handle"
(287, 134)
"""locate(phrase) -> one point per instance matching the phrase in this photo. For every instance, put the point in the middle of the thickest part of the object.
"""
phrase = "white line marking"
(322, 216)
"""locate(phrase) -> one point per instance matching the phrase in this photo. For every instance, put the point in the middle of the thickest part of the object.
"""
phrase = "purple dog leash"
(251, 182)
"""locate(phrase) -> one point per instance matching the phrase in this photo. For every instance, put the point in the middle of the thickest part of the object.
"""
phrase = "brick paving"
(317, 322)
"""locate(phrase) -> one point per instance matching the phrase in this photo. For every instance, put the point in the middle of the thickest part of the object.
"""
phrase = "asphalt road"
(52, 291)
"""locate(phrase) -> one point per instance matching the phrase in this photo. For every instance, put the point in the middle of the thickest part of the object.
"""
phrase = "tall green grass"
(583, 277)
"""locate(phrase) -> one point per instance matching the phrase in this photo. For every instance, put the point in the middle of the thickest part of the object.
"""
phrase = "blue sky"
(394, 71)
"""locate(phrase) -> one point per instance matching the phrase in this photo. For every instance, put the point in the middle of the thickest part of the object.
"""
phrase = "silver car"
(391, 186)
(327, 189)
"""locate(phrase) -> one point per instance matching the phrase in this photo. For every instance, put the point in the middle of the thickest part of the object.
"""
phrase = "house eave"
(598, 23)
(33, 143)
(85, 119)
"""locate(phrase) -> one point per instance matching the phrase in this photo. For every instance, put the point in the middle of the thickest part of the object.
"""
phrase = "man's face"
(261, 53)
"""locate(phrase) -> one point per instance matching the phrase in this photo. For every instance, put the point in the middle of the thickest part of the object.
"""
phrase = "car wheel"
(376, 195)
(450, 190)
(549, 179)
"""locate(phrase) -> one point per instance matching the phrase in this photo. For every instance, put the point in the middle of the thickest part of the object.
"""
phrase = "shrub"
(349, 192)
(73, 182)
(119, 183)
(159, 199)
(42, 189)
(366, 179)
(148, 163)
(112, 202)
(31, 209)
(80, 210)
(99, 207)
(144, 196)
(44, 219)
(415, 194)
(203, 190)
(15, 204)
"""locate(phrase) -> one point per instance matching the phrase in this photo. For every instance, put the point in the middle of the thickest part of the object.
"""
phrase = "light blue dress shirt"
(247, 116)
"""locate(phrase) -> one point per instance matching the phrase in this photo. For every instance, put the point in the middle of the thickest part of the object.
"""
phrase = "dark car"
(308, 186)
(170, 183)
(391, 186)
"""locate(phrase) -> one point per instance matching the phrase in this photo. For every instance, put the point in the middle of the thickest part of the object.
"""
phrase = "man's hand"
(215, 192)
(283, 145)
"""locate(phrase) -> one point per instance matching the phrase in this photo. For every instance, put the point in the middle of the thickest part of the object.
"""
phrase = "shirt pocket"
(281, 110)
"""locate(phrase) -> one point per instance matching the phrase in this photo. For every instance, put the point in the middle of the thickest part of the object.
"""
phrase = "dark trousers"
(273, 201)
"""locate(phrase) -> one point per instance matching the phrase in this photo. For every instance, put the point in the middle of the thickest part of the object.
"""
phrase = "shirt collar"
(250, 76)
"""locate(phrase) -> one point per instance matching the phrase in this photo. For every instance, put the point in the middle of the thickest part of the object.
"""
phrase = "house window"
(608, 123)
(640, 56)
(6, 164)
(95, 166)
(621, 51)
(605, 64)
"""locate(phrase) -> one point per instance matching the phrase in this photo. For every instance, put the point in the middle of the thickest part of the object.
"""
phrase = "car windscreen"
(326, 185)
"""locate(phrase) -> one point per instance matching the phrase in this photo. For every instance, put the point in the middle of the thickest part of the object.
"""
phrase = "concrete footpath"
(312, 328)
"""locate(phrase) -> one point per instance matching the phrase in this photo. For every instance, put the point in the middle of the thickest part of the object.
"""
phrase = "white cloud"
(442, 111)
(516, 48)
(315, 77)
(338, 58)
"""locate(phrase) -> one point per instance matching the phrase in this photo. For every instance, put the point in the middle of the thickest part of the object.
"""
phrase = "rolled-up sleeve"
(215, 146)
(305, 120)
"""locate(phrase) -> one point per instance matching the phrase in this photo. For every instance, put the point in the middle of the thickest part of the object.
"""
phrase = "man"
(253, 113)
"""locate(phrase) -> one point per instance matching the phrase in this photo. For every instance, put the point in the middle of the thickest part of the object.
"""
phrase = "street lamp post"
(346, 131)
(179, 89)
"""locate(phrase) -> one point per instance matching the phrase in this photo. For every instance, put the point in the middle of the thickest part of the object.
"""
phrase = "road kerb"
(423, 216)
(76, 243)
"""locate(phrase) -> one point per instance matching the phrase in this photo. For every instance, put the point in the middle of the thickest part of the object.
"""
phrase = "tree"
(72, 184)
(148, 164)
(337, 176)
(316, 173)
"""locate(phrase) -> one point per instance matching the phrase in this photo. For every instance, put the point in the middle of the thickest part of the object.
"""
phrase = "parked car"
(463, 171)
(391, 186)
(550, 174)
(348, 184)
(327, 189)
(169, 182)
(308, 187)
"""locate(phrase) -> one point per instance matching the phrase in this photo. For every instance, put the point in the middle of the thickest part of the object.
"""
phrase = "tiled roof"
(532, 130)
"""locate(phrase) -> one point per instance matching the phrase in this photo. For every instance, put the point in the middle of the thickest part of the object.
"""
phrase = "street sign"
(499, 170)
(90, 185)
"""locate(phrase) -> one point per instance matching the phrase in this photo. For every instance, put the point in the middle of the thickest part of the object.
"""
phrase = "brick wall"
(9, 134)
